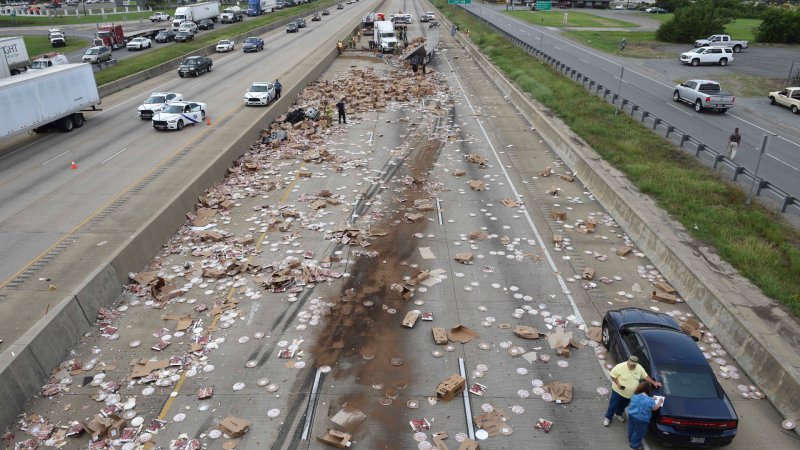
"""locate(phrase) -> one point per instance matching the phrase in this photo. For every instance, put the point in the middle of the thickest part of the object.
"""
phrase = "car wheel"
(721, 110)
(698, 106)
(772, 100)
(180, 125)
(695, 62)
(209, 69)
(202, 115)
(605, 337)
(723, 62)
(196, 73)
(180, 75)
(737, 48)
(676, 96)
(794, 109)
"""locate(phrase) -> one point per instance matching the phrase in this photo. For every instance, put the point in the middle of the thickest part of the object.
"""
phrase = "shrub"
(779, 26)
(693, 22)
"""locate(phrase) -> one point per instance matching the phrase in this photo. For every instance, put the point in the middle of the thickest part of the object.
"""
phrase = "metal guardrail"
(685, 141)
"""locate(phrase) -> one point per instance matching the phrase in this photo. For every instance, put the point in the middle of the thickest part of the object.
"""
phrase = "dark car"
(658, 11)
(165, 36)
(291, 27)
(253, 44)
(184, 36)
(194, 65)
(316, 18)
(340, 6)
(301, 23)
(325, 12)
(696, 411)
(205, 24)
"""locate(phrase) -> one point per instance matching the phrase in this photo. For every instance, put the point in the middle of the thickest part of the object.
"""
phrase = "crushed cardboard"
(450, 387)
(461, 334)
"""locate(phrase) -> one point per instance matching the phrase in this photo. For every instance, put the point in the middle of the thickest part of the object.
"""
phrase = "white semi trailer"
(195, 13)
(13, 56)
(42, 99)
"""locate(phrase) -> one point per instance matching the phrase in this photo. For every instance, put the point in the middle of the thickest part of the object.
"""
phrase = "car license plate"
(697, 440)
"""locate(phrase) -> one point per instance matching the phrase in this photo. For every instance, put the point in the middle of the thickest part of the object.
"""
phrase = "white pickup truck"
(789, 97)
(703, 94)
(722, 40)
(159, 17)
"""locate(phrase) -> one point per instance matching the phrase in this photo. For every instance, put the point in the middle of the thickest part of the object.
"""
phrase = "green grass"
(144, 61)
(659, 17)
(574, 19)
(5, 21)
(743, 29)
(37, 45)
(639, 44)
(757, 242)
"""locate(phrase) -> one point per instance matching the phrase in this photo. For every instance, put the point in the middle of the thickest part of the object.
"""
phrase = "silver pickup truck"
(703, 94)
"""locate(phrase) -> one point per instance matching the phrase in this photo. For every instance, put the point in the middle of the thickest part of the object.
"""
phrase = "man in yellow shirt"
(625, 376)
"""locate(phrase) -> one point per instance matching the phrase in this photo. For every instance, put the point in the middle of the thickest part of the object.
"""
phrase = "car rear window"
(687, 381)
(709, 87)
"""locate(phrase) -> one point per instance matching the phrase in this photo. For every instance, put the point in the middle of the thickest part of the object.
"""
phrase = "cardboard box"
(459, 173)
(336, 439)
(568, 178)
(588, 273)
(624, 251)
(561, 392)
(494, 422)
(477, 185)
(439, 335)
(546, 172)
(558, 215)
(411, 318)
(664, 297)
(692, 328)
(461, 334)
(468, 444)
(234, 426)
(526, 332)
(664, 287)
(414, 217)
(558, 239)
(478, 235)
(509, 203)
(450, 387)
(464, 258)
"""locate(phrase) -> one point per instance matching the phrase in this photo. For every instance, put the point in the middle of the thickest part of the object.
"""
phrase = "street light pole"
(764, 143)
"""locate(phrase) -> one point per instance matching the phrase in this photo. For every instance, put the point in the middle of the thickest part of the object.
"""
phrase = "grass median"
(756, 241)
(38, 45)
(574, 19)
(61, 19)
(130, 66)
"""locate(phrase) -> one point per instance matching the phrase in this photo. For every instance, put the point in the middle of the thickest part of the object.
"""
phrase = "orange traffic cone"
(73, 166)
(208, 120)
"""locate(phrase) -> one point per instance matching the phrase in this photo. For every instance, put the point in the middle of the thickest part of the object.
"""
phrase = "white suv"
(708, 55)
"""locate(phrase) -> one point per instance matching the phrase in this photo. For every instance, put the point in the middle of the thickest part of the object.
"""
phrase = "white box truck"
(14, 58)
(195, 13)
(41, 99)
(383, 37)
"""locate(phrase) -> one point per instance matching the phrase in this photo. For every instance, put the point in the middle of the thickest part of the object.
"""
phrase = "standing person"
(640, 412)
(733, 143)
(453, 30)
(340, 107)
(625, 376)
(278, 89)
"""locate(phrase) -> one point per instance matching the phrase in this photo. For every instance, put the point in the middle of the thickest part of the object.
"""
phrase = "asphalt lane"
(652, 91)
(41, 198)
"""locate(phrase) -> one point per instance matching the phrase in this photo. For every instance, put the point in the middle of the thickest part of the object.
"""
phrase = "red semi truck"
(113, 37)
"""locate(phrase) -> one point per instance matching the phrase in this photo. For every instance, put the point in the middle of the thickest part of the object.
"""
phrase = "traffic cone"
(208, 120)
(73, 166)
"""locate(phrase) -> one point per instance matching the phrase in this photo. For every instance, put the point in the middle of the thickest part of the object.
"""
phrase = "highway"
(41, 199)
(652, 91)
(350, 349)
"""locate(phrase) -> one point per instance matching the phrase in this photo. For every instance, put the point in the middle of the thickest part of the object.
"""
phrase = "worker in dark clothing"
(278, 89)
(340, 107)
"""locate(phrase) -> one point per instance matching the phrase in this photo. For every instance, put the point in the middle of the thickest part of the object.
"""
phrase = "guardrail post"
(717, 159)
(700, 148)
(670, 129)
(738, 171)
(634, 108)
(684, 138)
(788, 200)
(644, 115)
(656, 121)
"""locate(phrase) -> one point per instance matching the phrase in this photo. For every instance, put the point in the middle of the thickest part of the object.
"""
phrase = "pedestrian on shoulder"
(340, 107)
(278, 89)
(640, 412)
(625, 376)
(733, 144)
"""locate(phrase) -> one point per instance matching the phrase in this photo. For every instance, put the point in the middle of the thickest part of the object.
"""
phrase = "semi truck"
(114, 37)
(383, 37)
(42, 99)
(231, 14)
(15, 56)
(258, 7)
(195, 13)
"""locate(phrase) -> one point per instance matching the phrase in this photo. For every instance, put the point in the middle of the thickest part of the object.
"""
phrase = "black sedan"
(291, 27)
(325, 12)
(696, 411)
(340, 6)
(184, 36)
(205, 24)
(316, 17)
(253, 44)
(165, 36)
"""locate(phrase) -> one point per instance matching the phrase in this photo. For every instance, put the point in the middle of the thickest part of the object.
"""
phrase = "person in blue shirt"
(640, 411)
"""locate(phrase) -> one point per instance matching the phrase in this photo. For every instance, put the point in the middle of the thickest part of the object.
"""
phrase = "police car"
(177, 115)
(156, 102)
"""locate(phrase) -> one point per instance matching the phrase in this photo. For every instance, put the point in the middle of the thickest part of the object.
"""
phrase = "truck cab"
(789, 97)
(48, 60)
(111, 36)
(384, 38)
(57, 38)
(231, 14)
